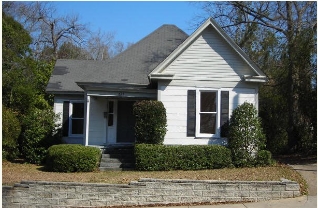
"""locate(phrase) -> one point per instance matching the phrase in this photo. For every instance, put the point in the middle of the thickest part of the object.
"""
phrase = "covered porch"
(108, 113)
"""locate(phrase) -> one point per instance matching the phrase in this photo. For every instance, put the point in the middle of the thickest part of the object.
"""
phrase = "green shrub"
(38, 134)
(151, 122)
(264, 158)
(245, 136)
(72, 158)
(10, 133)
(188, 157)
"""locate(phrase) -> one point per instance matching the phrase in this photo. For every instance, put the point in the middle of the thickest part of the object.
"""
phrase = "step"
(118, 160)
(126, 156)
(115, 169)
(117, 165)
(118, 151)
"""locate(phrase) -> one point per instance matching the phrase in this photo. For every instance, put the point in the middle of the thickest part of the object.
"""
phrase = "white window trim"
(71, 118)
(218, 114)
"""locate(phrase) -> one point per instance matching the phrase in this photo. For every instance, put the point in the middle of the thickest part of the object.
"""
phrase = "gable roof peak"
(208, 22)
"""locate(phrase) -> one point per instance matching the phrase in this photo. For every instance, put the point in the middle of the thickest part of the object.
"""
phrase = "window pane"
(207, 123)
(78, 110)
(208, 102)
(77, 126)
(111, 107)
(110, 119)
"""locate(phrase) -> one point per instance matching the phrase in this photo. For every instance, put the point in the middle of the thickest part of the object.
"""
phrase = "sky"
(129, 20)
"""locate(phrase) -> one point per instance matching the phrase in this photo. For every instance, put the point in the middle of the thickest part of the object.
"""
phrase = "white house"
(199, 78)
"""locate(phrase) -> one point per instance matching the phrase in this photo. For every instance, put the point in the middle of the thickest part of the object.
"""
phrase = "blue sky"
(131, 21)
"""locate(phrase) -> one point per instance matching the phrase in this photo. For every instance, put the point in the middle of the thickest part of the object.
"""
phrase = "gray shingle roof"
(130, 67)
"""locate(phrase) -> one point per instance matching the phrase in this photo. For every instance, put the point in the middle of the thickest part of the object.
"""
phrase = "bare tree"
(119, 47)
(47, 28)
(99, 44)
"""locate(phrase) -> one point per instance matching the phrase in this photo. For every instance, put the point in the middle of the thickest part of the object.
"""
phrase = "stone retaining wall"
(143, 192)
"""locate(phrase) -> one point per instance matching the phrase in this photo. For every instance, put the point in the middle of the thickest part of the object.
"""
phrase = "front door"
(126, 122)
(111, 122)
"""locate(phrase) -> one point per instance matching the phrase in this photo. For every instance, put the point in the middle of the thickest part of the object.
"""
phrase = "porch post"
(86, 121)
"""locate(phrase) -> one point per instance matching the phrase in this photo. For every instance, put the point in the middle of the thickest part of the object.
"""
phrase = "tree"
(25, 102)
(119, 47)
(11, 129)
(98, 45)
(47, 28)
(246, 137)
(15, 53)
(53, 35)
(293, 26)
(71, 51)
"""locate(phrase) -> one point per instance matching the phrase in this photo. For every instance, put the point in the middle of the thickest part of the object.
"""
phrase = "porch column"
(86, 121)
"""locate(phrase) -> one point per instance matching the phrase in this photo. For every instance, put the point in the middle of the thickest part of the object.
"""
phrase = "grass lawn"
(15, 172)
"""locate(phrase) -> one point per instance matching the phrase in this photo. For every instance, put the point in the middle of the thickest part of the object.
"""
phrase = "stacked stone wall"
(143, 192)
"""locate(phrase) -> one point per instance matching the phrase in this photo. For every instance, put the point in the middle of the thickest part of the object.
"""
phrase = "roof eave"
(249, 78)
(158, 76)
(64, 92)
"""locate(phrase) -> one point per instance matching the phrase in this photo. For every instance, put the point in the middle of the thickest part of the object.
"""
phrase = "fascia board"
(249, 78)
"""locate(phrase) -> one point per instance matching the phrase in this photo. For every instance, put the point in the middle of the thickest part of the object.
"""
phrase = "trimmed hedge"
(188, 157)
(151, 121)
(72, 158)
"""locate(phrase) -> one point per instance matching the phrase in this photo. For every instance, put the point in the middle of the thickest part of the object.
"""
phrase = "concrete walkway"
(308, 171)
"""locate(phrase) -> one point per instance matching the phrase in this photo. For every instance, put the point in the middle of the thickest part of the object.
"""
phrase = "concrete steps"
(117, 158)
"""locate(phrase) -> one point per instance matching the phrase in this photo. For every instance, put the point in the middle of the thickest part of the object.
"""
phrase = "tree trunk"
(291, 98)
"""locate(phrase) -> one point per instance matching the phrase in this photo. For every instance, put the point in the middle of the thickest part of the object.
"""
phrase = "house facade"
(200, 79)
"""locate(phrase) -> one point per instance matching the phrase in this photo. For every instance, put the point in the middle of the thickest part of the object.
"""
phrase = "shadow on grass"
(42, 168)
(296, 159)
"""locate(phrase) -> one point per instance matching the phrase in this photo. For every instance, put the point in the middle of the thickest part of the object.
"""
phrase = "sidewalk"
(299, 202)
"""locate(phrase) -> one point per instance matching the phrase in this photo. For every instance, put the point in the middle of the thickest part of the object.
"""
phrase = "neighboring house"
(199, 78)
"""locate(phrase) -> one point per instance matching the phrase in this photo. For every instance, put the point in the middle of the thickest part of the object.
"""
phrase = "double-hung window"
(207, 112)
(76, 121)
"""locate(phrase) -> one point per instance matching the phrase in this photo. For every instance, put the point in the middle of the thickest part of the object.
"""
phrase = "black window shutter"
(191, 114)
(224, 113)
(66, 115)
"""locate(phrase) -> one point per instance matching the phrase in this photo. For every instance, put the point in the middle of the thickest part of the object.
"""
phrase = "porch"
(108, 113)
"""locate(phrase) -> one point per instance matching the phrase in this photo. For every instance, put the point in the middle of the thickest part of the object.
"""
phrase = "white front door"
(111, 122)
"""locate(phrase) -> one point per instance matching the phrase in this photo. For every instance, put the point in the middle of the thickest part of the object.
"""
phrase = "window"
(110, 113)
(207, 112)
(76, 121)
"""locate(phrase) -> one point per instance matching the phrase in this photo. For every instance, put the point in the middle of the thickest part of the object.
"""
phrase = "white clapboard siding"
(175, 102)
(209, 58)
(174, 99)
(58, 110)
(97, 122)
(240, 95)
